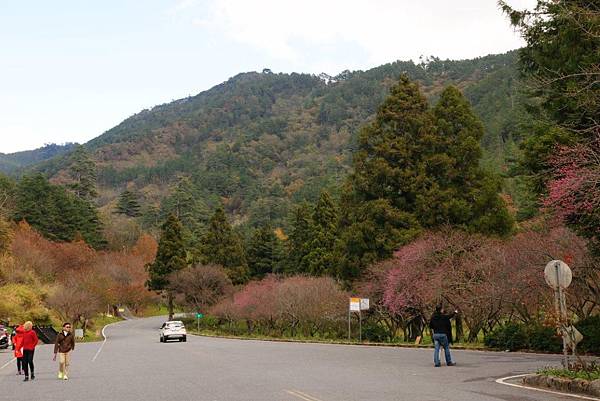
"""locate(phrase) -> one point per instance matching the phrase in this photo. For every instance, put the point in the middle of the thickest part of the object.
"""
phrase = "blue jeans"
(441, 340)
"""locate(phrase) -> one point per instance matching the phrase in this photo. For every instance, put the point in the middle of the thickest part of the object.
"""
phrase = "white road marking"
(8, 363)
(103, 342)
(503, 381)
(302, 395)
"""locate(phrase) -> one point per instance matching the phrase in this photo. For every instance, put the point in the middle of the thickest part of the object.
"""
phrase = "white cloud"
(385, 30)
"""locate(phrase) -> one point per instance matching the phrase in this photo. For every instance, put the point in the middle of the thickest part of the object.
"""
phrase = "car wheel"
(161, 339)
(184, 339)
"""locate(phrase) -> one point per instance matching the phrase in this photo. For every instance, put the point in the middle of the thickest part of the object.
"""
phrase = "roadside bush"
(516, 336)
(511, 336)
(590, 328)
(375, 332)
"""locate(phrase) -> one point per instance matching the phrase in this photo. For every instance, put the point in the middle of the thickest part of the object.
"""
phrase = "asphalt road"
(133, 365)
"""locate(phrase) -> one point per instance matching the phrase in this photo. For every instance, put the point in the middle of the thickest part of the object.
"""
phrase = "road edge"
(105, 338)
(502, 380)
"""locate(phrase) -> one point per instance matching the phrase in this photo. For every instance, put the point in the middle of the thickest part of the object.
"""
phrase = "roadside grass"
(426, 343)
(590, 375)
(94, 330)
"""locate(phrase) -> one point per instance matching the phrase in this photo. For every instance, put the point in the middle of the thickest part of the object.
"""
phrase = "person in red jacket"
(18, 347)
(30, 340)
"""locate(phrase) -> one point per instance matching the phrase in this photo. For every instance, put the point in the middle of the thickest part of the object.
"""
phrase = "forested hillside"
(261, 142)
(13, 162)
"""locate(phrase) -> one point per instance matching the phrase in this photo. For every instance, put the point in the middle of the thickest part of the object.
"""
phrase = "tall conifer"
(170, 258)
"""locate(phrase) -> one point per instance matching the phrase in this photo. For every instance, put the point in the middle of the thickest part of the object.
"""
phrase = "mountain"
(261, 142)
(13, 162)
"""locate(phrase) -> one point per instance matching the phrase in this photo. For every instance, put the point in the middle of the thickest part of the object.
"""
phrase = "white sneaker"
(65, 377)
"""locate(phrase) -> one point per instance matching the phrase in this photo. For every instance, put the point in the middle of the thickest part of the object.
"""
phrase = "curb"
(542, 390)
(348, 343)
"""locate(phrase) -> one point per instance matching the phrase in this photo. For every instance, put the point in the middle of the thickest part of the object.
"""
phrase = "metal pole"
(349, 312)
(359, 325)
(559, 303)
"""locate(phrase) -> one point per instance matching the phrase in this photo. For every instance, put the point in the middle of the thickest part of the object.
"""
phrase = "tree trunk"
(460, 332)
(170, 304)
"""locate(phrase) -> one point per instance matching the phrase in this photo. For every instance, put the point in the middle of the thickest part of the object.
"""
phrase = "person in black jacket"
(441, 329)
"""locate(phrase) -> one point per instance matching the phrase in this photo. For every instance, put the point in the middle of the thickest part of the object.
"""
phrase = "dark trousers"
(28, 361)
(19, 364)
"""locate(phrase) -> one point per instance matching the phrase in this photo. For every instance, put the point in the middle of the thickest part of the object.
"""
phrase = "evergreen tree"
(170, 258)
(185, 202)
(82, 171)
(56, 213)
(416, 168)
(128, 204)
(560, 66)
(264, 252)
(320, 258)
(221, 245)
(5, 235)
(298, 241)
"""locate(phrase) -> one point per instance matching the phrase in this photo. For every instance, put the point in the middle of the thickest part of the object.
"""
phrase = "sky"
(70, 70)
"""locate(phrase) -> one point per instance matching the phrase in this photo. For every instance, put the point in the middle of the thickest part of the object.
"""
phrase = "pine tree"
(82, 171)
(170, 258)
(298, 241)
(128, 204)
(56, 213)
(263, 252)
(320, 258)
(221, 245)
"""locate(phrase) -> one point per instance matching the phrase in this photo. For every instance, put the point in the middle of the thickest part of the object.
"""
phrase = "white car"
(173, 330)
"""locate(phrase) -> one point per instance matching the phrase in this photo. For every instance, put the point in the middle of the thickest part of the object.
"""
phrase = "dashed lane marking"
(303, 396)
(8, 363)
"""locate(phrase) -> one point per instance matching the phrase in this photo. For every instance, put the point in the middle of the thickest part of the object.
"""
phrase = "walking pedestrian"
(18, 347)
(442, 335)
(30, 340)
(65, 343)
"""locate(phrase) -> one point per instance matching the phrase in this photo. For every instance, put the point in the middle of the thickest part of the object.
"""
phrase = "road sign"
(558, 274)
(364, 304)
(199, 315)
(355, 304)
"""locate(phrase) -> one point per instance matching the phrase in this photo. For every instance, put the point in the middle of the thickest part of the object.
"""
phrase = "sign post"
(559, 276)
(357, 305)
(198, 317)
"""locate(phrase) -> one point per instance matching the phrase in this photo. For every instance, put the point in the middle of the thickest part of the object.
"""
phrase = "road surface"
(133, 365)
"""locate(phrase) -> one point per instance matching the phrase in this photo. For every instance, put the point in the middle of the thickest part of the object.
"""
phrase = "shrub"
(375, 332)
(516, 336)
(590, 328)
(511, 336)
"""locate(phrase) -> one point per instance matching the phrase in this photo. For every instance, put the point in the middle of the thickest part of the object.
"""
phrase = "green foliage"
(590, 328)
(22, 302)
(300, 235)
(560, 66)
(264, 252)
(5, 235)
(15, 162)
(320, 258)
(56, 213)
(185, 201)
(82, 171)
(516, 336)
(170, 257)
(222, 246)
(128, 204)
(263, 143)
(422, 167)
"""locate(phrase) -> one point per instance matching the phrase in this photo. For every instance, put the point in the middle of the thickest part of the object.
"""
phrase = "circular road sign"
(558, 274)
